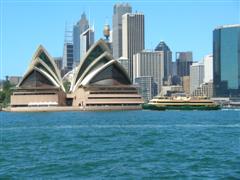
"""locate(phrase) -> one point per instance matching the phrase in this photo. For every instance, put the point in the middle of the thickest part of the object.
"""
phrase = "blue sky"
(184, 25)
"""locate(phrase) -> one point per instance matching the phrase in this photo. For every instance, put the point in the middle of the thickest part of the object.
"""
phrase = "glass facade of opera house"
(98, 81)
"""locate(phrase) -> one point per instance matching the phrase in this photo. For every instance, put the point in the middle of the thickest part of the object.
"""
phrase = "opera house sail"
(41, 85)
(98, 83)
(101, 81)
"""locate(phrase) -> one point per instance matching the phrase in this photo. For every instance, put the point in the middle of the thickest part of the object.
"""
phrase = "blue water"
(127, 145)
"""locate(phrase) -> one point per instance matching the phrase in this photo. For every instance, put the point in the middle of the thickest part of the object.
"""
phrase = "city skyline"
(22, 36)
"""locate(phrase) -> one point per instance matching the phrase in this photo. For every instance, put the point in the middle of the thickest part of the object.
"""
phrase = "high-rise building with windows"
(132, 37)
(208, 68)
(184, 61)
(196, 76)
(118, 11)
(226, 60)
(167, 53)
(68, 57)
(81, 26)
(149, 63)
(86, 41)
(146, 87)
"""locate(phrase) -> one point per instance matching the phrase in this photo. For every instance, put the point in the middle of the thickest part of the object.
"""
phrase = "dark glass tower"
(184, 61)
(226, 61)
(167, 56)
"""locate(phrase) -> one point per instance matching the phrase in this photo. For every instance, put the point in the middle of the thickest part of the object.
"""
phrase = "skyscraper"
(208, 68)
(146, 87)
(226, 60)
(162, 46)
(184, 61)
(81, 26)
(86, 41)
(132, 37)
(148, 63)
(196, 76)
(67, 57)
(118, 11)
(67, 60)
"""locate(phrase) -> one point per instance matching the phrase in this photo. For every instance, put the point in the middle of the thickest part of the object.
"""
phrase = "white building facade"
(132, 37)
(208, 68)
(196, 76)
(149, 63)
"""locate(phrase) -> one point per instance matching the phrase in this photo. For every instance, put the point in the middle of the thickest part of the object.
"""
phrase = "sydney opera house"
(98, 83)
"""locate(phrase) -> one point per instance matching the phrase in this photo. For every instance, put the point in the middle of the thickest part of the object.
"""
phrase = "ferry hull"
(153, 107)
(195, 107)
(180, 107)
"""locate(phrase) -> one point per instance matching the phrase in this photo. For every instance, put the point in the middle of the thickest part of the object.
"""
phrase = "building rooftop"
(228, 26)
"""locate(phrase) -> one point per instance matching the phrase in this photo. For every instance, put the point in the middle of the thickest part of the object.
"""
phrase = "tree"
(6, 93)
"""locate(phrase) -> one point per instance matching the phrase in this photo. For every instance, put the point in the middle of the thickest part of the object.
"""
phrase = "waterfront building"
(132, 37)
(41, 85)
(208, 68)
(146, 87)
(86, 41)
(98, 83)
(101, 81)
(149, 63)
(167, 56)
(81, 26)
(184, 61)
(118, 11)
(171, 90)
(204, 90)
(226, 60)
(196, 76)
(124, 62)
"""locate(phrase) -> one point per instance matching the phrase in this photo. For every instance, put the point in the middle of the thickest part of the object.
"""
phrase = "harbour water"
(127, 144)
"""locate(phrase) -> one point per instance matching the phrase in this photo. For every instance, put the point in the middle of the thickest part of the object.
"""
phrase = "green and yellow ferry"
(180, 103)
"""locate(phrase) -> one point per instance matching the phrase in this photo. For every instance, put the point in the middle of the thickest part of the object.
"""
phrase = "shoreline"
(70, 108)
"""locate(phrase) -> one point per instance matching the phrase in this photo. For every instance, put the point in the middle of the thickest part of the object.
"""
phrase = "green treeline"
(7, 90)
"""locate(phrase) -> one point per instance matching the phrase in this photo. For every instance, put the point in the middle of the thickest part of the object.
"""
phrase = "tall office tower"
(118, 11)
(68, 57)
(86, 41)
(226, 60)
(81, 26)
(67, 60)
(132, 37)
(196, 76)
(147, 63)
(208, 68)
(184, 61)
(174, 68)
(162, 46)
(146, 87)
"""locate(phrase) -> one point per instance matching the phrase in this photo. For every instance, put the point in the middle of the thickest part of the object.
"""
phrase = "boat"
(153, 107)
(181, 103)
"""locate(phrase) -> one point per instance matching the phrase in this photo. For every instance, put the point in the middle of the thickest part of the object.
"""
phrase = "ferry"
(180, 103)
